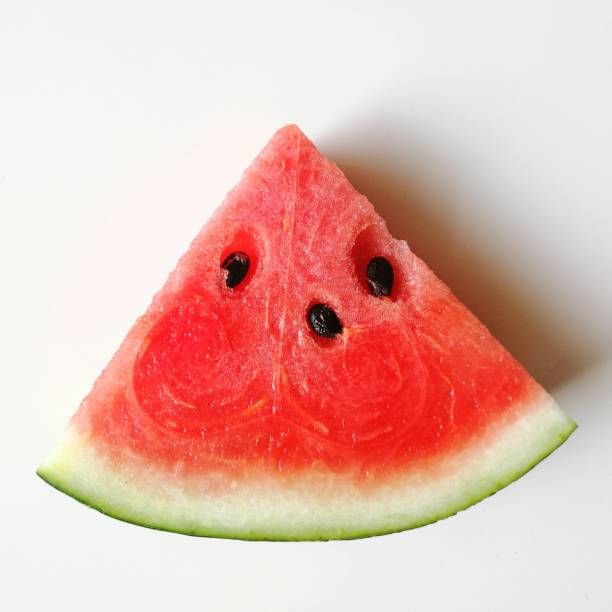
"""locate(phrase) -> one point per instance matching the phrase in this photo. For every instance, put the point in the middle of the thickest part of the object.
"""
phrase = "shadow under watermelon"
(515, 302)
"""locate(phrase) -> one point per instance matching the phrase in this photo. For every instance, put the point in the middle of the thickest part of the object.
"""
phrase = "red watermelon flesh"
(225, 413)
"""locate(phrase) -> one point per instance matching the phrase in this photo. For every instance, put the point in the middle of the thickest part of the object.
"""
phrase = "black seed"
(380, 276)
(324, 321)
(237, 266)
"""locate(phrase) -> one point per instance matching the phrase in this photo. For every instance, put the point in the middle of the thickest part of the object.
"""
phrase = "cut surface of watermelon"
(302, 375)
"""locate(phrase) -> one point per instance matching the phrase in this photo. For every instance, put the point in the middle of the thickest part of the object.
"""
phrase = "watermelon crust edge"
(323, 506)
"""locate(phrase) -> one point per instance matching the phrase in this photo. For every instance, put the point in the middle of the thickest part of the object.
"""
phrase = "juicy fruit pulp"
(299, 355)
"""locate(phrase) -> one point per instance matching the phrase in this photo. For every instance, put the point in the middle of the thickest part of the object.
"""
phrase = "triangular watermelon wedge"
(302, 375)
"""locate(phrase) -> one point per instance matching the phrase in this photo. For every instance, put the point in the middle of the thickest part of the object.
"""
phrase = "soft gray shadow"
(376, 159)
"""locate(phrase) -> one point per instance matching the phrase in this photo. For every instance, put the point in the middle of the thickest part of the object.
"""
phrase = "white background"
(482, 131)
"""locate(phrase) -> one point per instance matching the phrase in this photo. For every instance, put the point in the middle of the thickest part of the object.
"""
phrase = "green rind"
(477, 492)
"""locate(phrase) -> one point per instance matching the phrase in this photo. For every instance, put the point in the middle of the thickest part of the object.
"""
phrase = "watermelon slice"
(302, 375)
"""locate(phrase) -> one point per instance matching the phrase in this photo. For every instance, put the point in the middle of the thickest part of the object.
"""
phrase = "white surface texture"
(481, 130)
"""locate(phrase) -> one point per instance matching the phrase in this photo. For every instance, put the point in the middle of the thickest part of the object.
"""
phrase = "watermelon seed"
(236, 265)
(324, 321)
(380, 276)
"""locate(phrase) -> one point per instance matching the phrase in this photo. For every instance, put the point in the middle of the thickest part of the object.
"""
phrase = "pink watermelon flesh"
(224, 413)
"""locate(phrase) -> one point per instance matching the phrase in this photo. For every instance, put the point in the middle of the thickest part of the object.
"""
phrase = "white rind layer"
(310, 505)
